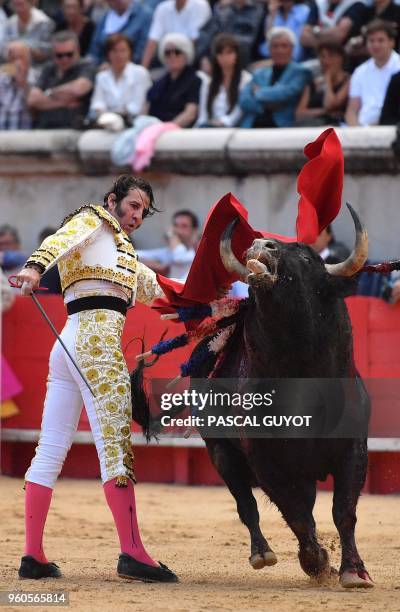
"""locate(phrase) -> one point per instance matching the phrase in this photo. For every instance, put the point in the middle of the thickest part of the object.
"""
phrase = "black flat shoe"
(30, 568)
(130, 568)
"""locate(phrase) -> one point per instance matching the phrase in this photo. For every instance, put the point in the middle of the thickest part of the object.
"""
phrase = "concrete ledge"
(39, 152)
(195, 151)
(367, 150)
(41, 142)
(273, 151)
(236, 151)
(94, 148)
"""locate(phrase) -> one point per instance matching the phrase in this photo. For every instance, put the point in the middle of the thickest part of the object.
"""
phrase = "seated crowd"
(196, 63)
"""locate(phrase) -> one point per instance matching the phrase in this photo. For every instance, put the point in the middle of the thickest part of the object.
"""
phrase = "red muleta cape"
(320, 185)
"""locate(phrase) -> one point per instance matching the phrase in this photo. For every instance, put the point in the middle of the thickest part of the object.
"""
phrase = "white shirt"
(188, 21)
(115, 22)
(36, 35)
(36, 17)
(369, 83)
(220, 105)
(178, 259)
(239, 290)
(126, 94)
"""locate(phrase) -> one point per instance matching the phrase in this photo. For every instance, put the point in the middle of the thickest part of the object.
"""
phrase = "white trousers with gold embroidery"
(93, 338)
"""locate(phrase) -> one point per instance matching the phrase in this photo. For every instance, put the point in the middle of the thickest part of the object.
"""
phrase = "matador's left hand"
(28, 279)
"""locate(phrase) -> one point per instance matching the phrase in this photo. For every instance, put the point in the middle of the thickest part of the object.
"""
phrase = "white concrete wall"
(43, 178)
(35, 202)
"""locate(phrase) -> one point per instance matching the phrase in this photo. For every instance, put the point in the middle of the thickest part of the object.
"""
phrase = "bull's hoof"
(270, 557)
(258, 560)
(351, 579)
(329, 576)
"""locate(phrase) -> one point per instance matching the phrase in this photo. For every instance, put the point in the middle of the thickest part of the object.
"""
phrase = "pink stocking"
(37, 504)
(121, 501)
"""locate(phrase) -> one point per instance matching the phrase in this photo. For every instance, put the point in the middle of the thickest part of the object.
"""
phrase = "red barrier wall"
(27, 342)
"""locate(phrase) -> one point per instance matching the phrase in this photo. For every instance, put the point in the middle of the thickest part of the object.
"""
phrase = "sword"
(53, 329)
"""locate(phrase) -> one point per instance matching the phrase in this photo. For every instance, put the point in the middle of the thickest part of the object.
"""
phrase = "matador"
(100, 278)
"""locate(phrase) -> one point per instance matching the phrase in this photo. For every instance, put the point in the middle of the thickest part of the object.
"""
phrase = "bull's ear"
(339, 286)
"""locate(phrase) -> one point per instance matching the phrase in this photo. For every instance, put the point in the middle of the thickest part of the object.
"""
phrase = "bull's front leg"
(295, 501)
(349, 479)
(232, 466)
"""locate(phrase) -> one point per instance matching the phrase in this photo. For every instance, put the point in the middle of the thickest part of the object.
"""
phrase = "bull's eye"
(306, 258)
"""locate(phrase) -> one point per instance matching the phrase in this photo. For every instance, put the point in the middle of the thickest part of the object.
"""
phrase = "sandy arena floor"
(196, 531)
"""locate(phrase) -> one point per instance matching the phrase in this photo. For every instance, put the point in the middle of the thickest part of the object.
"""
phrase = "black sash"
(108, 302)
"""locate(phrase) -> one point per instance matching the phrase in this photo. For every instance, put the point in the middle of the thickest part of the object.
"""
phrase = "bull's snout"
(261, 258)
(262, 261)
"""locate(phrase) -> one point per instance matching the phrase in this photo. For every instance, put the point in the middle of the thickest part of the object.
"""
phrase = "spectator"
(95, 9)
(127, 17)
(390, 114)
(239, 290)
(175, 96)
(370, 81)
(16, 77)
(31, 26)
(175, 16)
(287, 14)
(153, 3)
(7, 296)
(324, 100)
(219, 96)
(386, 10)
(11, 256)
(75, 20)
(122, 88)
(270, 99)
(175, 259)
(391, 292)
(62, 96)
(329, 249)
(242, 19)
(50, 7)
(374, 285)
(340, 20)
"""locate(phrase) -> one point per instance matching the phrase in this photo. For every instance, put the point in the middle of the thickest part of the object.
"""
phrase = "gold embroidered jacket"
(91, 245)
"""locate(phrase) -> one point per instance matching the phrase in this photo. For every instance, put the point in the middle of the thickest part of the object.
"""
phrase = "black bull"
(296, 325)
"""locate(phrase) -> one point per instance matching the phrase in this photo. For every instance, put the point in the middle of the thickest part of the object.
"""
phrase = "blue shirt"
(136, 29)
(295, 21)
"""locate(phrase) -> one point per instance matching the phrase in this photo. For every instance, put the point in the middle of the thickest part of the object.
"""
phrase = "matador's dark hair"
(122, 186)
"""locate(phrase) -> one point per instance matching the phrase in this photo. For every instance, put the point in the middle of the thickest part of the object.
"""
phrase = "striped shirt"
(14, 113)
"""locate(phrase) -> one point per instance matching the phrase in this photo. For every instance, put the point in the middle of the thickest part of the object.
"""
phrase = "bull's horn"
(358, 257)
(231, 263)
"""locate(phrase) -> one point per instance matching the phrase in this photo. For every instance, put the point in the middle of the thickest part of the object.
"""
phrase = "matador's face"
(129, 211)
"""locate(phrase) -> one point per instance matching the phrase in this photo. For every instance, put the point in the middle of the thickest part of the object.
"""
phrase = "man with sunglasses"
(62, 96)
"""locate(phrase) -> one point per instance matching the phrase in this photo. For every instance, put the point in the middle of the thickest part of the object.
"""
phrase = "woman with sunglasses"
(219, 96)
(175, 96)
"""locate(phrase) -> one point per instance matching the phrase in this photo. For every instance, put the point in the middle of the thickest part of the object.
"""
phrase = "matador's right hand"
(28, 279)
